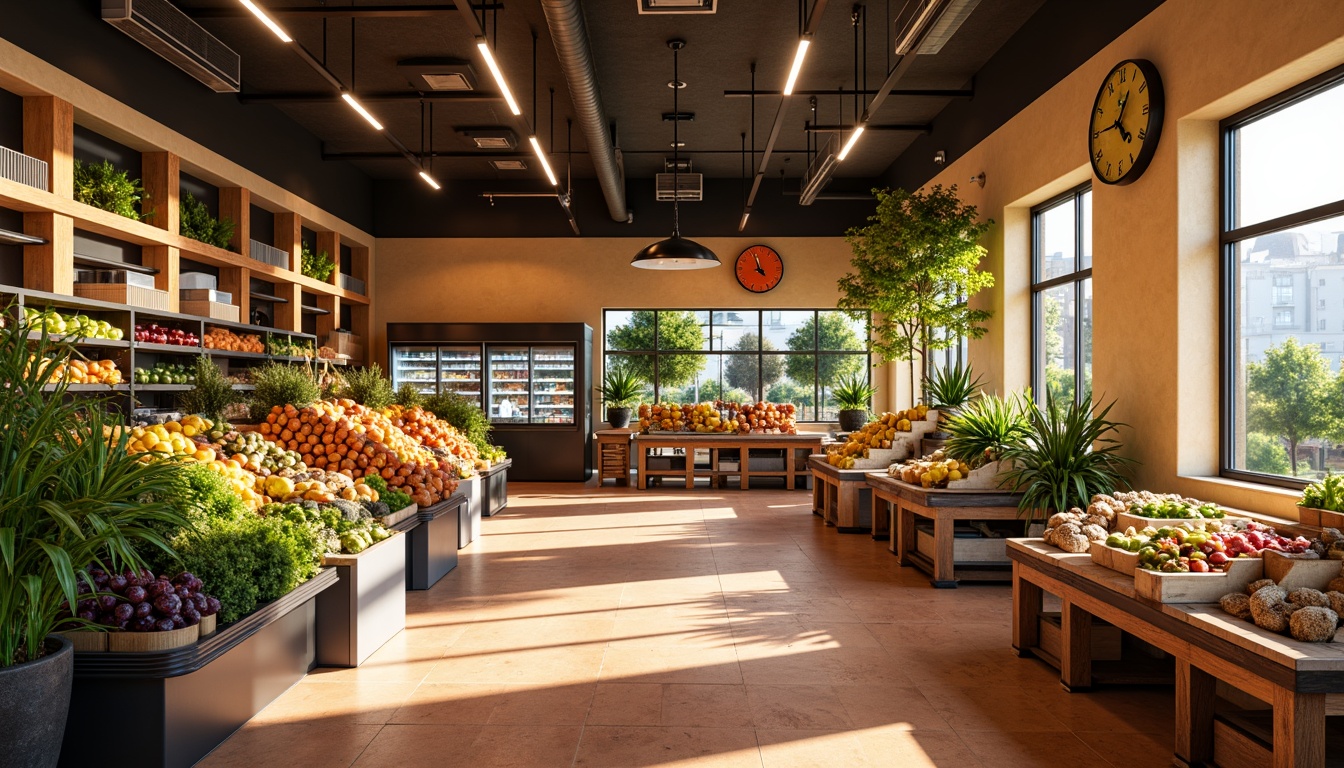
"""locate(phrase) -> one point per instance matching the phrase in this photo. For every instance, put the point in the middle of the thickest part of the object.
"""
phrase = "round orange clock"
(759, 268)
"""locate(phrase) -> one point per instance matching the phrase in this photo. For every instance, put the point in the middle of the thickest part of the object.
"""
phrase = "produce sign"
(163, 373)
(141, 602)
(356, 441)
(81, 326)
(222, 338)
(157, 334)
(719, 417)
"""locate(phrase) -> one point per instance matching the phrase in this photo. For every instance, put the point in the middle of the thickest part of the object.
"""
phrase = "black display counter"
(166, 709)
(495, 493)
(431, 546)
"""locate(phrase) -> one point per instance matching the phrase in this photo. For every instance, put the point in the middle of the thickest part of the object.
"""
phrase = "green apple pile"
(81, 326)
(163, 373)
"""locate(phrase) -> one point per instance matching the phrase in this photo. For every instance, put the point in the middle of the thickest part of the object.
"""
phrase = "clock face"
(1126, 122)
(759, 268)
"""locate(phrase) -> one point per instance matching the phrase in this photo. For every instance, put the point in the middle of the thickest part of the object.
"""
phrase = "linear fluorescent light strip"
(853, 139)
(430, 180)
(364, 113)
(797, 66)
(267, 20)
(545, 164)
(499, 76)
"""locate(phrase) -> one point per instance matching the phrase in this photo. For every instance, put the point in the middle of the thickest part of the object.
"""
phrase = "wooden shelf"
(103, 343)
(164, 387)
(170, 349)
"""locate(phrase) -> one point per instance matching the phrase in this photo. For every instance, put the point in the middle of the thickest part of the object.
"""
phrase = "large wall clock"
(759, 268)
(1126, 122)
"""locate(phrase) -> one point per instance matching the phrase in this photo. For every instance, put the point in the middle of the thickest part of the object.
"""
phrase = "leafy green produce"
(395, 499)
(250, 560)
(1168, 509)
(1327, 494)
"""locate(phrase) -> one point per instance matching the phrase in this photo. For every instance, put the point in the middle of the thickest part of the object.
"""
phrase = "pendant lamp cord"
(676, 145)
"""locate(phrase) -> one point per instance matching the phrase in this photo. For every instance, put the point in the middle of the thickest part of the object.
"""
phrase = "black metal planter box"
(182, 703)
(495, 488)
(366, 607)
(431, 547)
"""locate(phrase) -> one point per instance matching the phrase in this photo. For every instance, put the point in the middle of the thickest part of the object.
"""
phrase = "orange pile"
(431, 431)
(222, 338)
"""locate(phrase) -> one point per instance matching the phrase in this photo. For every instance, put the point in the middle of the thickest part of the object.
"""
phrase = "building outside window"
(1062, 296)
(1283, 252)
(783, 356)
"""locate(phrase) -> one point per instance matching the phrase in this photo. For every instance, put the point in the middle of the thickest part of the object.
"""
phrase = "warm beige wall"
(574, 279)
(1155, 241)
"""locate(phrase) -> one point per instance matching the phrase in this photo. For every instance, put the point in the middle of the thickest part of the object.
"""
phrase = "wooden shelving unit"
(48, 128)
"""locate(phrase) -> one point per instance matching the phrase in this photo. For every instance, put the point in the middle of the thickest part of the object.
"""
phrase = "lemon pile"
(174, 438)
(933, 471)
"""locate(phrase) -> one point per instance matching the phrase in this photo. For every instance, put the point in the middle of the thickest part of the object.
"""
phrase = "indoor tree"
(676, 329)
(1289, 394)
(916, 265)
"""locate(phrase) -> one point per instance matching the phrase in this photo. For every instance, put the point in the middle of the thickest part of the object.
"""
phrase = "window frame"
(1039, 286)
(761, 316)
(1229, 292)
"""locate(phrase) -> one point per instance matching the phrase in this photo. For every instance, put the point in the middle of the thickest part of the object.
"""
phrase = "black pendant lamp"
(676, 252)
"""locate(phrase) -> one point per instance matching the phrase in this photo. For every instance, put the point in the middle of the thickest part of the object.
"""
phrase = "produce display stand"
(495, 496)
(904, 503)
(841, 497)
(791, 445)
(431, 546)
(613, 455)
(1303, 681)
(469, 514)
(366, 608)
(181, 703)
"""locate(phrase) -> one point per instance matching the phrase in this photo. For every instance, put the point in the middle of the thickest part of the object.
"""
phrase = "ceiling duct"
(564, 18)
(432, 74)
(947, 25)
(677, 6)
(161, 27)
(818, 174)
(680, 186)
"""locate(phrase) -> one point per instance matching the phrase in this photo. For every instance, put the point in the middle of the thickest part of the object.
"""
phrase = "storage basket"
(121, 293)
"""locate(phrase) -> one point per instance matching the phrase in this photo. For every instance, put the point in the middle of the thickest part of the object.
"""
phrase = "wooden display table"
(905, 502)
(791, 445)
(1303, 681)
(613, 455)
(841, 497)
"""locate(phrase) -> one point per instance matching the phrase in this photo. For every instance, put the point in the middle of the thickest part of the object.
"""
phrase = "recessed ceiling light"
(677, 144)
(676, 84)
(678, 6)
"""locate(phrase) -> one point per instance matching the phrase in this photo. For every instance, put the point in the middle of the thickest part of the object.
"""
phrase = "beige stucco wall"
(1156, 260)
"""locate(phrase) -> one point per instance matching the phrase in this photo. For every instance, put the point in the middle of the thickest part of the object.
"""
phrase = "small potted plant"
(1322, 502)
(981, 432)
(853, 394)
(950, 388)
(621, 389)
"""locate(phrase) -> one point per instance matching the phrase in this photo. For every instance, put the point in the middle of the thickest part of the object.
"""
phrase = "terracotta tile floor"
(613, 627)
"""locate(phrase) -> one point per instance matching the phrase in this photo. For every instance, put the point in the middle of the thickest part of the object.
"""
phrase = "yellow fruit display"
(932, 471)
(242, 483)
(173, 438)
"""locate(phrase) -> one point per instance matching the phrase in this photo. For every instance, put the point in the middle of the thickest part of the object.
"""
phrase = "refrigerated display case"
(533, 380)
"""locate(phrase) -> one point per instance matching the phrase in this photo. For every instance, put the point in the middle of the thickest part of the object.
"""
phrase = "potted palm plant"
(983, 429)
(853, 394)
(70, 497)
(1067, 454)
(621, 388)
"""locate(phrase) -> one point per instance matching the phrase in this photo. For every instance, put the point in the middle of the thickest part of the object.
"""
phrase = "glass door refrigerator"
(532, 380)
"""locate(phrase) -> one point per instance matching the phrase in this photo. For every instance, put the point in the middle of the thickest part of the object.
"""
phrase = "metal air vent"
(509, 165)
(490, 138)
(435, 74)
(161, 27)
(678, 6)
(681, 165)
(818, 174)
(690, 187)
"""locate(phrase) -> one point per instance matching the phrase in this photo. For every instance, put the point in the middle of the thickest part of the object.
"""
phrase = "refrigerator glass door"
(553, 385)
(460, 371)
(510, 385)
(416, 365)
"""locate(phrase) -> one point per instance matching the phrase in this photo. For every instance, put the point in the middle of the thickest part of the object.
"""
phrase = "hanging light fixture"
(676, 252)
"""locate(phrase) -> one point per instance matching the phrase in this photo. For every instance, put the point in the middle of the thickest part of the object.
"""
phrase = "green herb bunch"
(103, 186)
(369, 387)
(463, 414)
(282, 384)
(197, 223)
(409, 396)
(318, 266)
(213, 392)
(250, 560)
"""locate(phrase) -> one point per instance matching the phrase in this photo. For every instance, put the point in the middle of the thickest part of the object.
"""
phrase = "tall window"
(1283, 258)
(1061, 292)
(784, 356)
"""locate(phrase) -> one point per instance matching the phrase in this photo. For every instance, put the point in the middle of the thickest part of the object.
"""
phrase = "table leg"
(690, 467)
(1075, 648)
(642, 470)
(903, 528)
(1026, 613)
(829, 509)
(1299, 729)
(943, 554)
(818, 495)
(790, 466)
(881, 519)
(847, 508)
(1195, 692)
(745, 484)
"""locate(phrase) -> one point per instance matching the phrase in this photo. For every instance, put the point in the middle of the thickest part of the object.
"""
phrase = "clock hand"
(758, 264)
(1123, 133)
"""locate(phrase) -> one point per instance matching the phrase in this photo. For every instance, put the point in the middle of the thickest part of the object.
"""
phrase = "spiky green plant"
(984, 428)
(1068, 454)
(409, 395)
(951, 387)
(621, 387)
(853, 393)
(212, 392)
(282, 384)
(70, 494)
(464, 414)
(369, 387)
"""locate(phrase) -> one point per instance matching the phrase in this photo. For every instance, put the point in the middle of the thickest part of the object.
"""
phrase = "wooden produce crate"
(396, 517)
(211, 309)
(86, 639)
(140, 642)
(1296, 572)
(345, 343)
(1119, 560)
(1106, 644)
(1198, 587)
(980, 550)
(1125, 520)
(122, 293)
(614, 460)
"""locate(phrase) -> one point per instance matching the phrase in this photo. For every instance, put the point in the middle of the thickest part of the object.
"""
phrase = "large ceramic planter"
(619, 418)
(34, 702)
(853, 420)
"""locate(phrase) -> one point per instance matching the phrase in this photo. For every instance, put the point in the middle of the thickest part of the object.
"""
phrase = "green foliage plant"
(1291, 394)
(395, 498)
(197, 223)
(915, 266)
(282, 384)
(409, 396)
(369, 387)
(854, 393)
(1067, 454)
(70, 494)
(101, 185)
(317, 265)
(953, 386)
(249, 560)
(463, 414)
(212, 392)
(676, 330)
(984, 428)
(621, 387)
(1327, 494)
